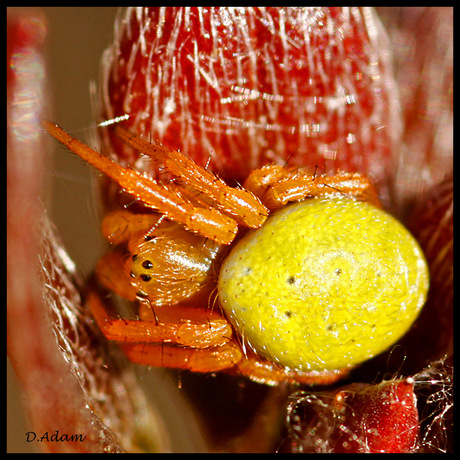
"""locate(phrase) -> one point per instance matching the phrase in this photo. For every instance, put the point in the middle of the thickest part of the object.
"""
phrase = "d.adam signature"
(54, 437)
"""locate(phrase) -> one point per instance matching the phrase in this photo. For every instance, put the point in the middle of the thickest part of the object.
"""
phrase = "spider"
(292, 277)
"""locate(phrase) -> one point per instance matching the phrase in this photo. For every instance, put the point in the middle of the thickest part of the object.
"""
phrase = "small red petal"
(381, 418)
(356, 419)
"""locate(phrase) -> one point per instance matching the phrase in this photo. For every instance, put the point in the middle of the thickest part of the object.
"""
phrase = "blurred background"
(75, 42)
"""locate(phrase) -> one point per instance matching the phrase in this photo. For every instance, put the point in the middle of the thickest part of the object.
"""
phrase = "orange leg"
(260, 179)
(299, 185)
(211, 359)
(269, 374)
(240, 203)
(208, 222)
(185, 326)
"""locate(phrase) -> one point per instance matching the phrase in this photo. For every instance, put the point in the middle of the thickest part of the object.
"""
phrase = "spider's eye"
(143, 268)
(324, 284)
(147, 264)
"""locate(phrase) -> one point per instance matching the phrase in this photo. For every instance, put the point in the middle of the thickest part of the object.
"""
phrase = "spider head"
(171, 264)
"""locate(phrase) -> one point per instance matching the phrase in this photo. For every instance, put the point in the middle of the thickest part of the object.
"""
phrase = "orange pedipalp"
(269, 374)
(111, 273)
(209, 222)
(119, 226)
(240, 203)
